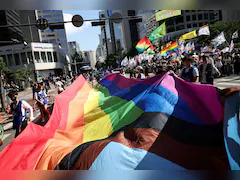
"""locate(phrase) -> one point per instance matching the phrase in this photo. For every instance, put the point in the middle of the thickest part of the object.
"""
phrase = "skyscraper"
(30, 33)
(56, 36)
(142, 26)
(121, 37)
(10, 17)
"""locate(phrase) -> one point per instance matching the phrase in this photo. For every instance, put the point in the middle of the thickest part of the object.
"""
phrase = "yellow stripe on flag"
(189, 35)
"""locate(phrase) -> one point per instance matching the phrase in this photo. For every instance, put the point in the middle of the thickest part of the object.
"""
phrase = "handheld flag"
(158, 32)
(150, 50)
(143, 44)
(170, 49)
(204, 30)
(219, 39)
(189, 35)
(231, 46)
(235, 35)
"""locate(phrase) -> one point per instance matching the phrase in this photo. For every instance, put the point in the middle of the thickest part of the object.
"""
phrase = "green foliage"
(111, 60)
(23, 74)
(3, 66)
(132, 52)
(227, 27)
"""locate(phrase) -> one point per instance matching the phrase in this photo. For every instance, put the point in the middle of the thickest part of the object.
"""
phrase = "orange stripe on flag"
(64, 141)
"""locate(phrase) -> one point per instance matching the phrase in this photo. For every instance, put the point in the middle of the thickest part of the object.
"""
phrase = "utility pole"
(2, 93)
(30, 28)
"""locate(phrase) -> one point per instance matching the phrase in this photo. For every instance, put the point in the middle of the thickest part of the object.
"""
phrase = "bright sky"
(86, 35)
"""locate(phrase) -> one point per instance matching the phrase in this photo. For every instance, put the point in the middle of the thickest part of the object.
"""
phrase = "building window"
(37, 56)
(47, 16)
(205, 16)
(47, 11)
(49, 55)
(24, 58)
(17, 59)
(50, 35)
(57, 15)
(187, 11)
(170, 22)
(10, 59)
(189, 25)
(43, 56)
(188, 18)
(62, 34)
(49, 31)
(55, 57)
(179, 19)
(200, 17)
(195, 25)
(212, 16)
(194, 17)
(30, 57)
(180, 27)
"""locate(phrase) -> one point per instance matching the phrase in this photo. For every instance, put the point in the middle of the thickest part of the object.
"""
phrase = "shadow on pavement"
(38, 120)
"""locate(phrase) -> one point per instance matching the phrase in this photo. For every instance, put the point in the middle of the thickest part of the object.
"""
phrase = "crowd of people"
(195, 68)
(198, 68)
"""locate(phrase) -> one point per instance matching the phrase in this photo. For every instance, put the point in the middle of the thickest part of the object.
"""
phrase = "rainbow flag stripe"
(130, 124)
(170, 49)
(143, 44)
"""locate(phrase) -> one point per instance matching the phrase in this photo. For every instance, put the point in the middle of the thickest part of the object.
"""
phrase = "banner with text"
(164, 14)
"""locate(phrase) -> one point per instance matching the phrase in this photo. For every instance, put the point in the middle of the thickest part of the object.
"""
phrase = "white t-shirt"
(26, 106)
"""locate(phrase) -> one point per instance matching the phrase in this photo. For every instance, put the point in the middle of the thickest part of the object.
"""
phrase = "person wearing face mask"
(19, 110)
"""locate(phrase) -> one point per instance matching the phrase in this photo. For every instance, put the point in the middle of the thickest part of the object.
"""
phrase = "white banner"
(220, 39)
(204, 31)
(235, 35)
(231, 46)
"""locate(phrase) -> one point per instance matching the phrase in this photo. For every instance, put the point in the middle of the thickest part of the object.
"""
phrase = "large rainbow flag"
(170, 49)
(158, 123)
(143, 44)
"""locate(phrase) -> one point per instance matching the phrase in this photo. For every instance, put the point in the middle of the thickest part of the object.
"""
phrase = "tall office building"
(102, 37)
(30, 33)
(142, 26)
(10, 17)
(57, 36)
(231, 15)
(121, 37)
(189, 20)
(73, 47)
(90, 56)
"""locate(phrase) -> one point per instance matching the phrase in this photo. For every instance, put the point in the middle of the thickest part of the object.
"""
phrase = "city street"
(27, 96)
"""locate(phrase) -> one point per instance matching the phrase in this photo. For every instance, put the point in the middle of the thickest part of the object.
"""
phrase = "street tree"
(111, 60)
(24, 74)
(3, 70)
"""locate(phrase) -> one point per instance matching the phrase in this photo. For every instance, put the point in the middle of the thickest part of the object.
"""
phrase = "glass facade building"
(57, 36)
